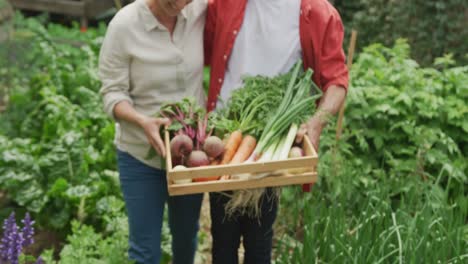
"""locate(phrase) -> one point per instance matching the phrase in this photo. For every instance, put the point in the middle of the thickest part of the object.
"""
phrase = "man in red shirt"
(266, 37)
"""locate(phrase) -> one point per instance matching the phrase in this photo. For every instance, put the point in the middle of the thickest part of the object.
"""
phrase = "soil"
(44, 240)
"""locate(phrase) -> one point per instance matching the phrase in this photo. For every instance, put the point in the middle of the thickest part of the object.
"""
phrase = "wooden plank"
(217, 186)
(230, 169)
(168, 157)
(309, 150)
(76, 8)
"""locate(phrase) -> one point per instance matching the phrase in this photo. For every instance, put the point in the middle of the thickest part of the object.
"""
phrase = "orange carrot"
(214, 178)
(231, 146)
(245, 149)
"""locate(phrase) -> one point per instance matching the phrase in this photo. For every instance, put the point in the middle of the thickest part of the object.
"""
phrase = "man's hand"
(151, 127)
(329, 105)
(313, 128)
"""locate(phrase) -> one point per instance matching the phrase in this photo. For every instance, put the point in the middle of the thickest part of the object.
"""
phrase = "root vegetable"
(181, 145)
(246, 148)
(183, 181)
(296, 152)
(231, 146)
(197, 158)
(213, 147)
(214, 178)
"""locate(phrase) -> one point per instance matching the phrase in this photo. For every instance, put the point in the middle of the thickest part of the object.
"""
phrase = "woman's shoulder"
(197, 8)
(126, 17)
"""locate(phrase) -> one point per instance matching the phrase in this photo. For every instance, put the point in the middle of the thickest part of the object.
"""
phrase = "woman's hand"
(151, 126)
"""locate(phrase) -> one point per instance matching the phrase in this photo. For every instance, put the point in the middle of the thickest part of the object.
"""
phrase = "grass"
(343, 221)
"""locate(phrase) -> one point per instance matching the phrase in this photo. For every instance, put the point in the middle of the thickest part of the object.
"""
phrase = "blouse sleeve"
(114, 64)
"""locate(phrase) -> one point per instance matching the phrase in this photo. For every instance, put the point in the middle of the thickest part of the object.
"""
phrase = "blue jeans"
(145, 193)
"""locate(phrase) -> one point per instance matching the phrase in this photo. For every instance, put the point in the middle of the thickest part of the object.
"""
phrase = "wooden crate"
(278, 173)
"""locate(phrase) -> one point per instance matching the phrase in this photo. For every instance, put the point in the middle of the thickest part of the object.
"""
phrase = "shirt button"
(235, 32)
(225, 57)
(220, 80)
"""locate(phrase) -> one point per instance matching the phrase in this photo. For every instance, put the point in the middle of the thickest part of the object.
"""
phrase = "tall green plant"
(393, 190)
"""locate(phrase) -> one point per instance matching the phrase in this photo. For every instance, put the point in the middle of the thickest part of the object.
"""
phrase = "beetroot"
(181, 145)
(213, 147)
(176, 161)
(198, 158)
(296, 152)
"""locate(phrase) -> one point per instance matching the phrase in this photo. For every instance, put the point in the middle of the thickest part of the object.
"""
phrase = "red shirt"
(321, 35)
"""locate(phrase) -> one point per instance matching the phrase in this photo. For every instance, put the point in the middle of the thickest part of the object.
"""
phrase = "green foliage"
(411, 118)
(394, 188)
(86, 246)
(434, 28)
(56, 153)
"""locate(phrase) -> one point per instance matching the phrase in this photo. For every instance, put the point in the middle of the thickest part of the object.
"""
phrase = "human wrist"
(141, 120)
(320, 118)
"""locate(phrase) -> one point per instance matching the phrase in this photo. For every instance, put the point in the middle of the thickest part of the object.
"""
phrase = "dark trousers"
(227, 231)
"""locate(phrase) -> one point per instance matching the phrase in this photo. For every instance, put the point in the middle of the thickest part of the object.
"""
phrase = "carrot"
(246, 148)
(231, 146)
(214, 178)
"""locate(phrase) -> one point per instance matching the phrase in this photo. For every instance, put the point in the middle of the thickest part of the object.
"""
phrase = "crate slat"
(222, 185)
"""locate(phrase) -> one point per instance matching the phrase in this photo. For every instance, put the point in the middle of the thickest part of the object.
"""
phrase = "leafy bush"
(433, 28)
(57, 157)
(394, 188)
(85, 245)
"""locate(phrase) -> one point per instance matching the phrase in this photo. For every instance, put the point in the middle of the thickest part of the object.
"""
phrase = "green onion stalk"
(277, 138)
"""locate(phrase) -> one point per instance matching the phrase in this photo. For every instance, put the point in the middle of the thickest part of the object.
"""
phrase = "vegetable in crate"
(184, 130)
(192, 144)
(246, 114)
(213, 147)
(214, 178)
(296, 152)
(197, 158)
(183, 181)
(181, 145)
(273, 114)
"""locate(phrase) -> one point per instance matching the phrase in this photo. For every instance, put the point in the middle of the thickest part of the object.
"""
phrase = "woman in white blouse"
(152, 53)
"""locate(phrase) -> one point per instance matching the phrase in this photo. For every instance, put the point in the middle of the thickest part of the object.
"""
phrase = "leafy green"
(394, 187)
(56, 142)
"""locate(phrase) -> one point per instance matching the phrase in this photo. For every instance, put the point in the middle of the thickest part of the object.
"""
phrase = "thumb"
(301, 133)
(164, 121)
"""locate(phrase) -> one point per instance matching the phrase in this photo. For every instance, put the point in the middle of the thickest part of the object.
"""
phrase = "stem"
(400, 250)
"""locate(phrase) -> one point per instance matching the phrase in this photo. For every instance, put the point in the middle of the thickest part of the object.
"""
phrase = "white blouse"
(140, 63)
